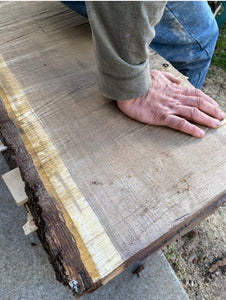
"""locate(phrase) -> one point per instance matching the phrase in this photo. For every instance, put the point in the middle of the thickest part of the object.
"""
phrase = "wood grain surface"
(104, 190)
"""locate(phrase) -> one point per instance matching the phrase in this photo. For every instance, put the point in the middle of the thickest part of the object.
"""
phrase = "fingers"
(197, 93)
(169, 104)
(203, 105)
(197, 116)
(183, 125)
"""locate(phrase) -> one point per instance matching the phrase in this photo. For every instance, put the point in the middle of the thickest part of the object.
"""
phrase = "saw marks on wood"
(105, 190)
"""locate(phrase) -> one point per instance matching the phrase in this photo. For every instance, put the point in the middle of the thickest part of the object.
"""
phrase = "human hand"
(168, 104)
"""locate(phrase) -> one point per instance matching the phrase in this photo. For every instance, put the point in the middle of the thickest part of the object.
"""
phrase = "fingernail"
(216, 123)
(201, 133)
(221, 115)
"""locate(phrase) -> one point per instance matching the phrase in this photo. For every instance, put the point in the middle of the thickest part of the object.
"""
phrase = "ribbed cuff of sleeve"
(119, 88)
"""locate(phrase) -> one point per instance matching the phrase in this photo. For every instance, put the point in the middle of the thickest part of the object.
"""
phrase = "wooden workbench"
(104, 190)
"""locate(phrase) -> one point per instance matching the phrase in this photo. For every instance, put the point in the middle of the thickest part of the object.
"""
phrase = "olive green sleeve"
(122, 32)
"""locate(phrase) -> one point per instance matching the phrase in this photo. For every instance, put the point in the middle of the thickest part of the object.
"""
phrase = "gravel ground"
(192, 255)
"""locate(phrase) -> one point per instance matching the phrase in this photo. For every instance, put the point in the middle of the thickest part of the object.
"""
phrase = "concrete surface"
(27, 274)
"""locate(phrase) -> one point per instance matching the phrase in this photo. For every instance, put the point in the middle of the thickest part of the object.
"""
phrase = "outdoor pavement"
(27, 274)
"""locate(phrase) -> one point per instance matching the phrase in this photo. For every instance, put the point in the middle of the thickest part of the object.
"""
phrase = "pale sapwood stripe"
(58, 181)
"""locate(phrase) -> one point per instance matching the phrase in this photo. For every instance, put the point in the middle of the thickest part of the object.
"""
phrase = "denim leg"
(186, 37)
(78, 6)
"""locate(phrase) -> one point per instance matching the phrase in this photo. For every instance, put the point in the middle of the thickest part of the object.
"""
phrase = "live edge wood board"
(104, 190)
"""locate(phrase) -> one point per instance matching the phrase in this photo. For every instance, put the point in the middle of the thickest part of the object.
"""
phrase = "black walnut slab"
(104, 190)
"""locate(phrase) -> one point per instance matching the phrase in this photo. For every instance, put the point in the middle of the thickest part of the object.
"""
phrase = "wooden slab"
(104, 190)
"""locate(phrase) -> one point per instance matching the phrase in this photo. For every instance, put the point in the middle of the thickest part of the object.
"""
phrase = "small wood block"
(16, 186)
(30, 226)
(2, 147)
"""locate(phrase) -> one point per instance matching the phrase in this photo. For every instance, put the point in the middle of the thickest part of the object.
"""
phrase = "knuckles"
(181, 123)
(199, 102)
(193, 113)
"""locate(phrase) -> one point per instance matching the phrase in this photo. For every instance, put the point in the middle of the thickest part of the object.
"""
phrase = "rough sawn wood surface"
(104, 190)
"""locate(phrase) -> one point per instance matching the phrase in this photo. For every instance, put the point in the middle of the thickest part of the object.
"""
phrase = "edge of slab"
(35, 190)
(71, 273)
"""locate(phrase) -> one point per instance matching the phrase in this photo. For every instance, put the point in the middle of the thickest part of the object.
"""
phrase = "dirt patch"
(192, 255)
(215, 85)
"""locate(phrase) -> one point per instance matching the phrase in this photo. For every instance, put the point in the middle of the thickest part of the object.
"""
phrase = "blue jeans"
(185, 36)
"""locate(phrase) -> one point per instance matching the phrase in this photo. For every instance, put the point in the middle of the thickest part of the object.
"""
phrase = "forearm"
(122, 32)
